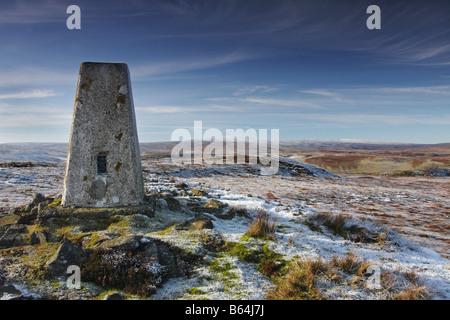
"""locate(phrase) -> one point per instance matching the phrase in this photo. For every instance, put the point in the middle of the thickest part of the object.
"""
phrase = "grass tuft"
(298, 283)
(342, 226)
(262, 227)
(304, 280)
(413, 293)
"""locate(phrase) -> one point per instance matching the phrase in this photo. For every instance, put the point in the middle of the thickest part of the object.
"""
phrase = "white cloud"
(33, 115)
(370, 96)
(189, 64)
(283, 102)
(397, 119)
(323, 93)
(256, 88)
(163, 109)
(25, 120)
(431, 52)
(34, 76)
(35, 93)
(440, 90)
(185, 109)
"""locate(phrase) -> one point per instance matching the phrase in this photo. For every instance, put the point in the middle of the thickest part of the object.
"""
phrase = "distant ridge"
(54, 152)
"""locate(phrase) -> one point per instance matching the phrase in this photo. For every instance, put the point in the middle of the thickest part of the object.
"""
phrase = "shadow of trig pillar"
(103, 162)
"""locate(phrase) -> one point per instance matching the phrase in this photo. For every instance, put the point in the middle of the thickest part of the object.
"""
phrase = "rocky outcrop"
(67, 254)
(98, 213)
(10, 292)
(135, 264)
(38, 237)
(109, 245)
(115, 296)
(38, 198)
(12, 236)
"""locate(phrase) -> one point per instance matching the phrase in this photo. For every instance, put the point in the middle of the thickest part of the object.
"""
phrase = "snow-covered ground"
(294, 240)
(415, 209)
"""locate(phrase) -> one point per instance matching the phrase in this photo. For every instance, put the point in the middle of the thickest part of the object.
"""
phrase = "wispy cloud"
(413, 33)
(439, 90)
(189, 109)
(376, 119)
(325, 93)
(25, 121)
(30, 12)
(383, 94)
(188, 64)
(166, 109)
(35, 76)
(35, 93)
(282, 102)
(255, 89)
(26, 116)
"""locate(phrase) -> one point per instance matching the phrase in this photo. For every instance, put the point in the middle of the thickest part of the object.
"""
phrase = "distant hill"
(45, 152)
(303, 149)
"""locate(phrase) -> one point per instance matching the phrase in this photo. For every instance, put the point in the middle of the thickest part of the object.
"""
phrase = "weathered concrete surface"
(103, 163)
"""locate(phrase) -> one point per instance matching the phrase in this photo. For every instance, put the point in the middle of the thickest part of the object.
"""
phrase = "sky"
(311, 69)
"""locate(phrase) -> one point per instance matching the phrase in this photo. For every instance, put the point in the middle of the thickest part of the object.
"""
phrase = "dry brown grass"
(377, 161)
(413, 293)
(341, 225)
(414, 290)
(262, 227)
(345, 161)
(271, 196)
(303, 276)
(172, 180)
(350, 264)
(411, 276)
(299, 283)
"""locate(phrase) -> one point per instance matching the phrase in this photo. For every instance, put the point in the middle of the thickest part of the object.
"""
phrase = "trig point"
(103, 162)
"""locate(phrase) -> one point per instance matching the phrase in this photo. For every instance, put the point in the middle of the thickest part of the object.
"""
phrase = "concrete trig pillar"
(103, 162)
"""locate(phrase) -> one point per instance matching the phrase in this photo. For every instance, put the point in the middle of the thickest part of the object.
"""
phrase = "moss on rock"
(197, 193)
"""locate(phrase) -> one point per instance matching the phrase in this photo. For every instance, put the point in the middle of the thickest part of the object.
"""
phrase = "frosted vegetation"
(303, 234)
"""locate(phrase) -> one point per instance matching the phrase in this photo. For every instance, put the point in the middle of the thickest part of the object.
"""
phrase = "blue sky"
(311, 69)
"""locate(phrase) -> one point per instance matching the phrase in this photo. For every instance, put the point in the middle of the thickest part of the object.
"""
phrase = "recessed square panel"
(101, 165)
